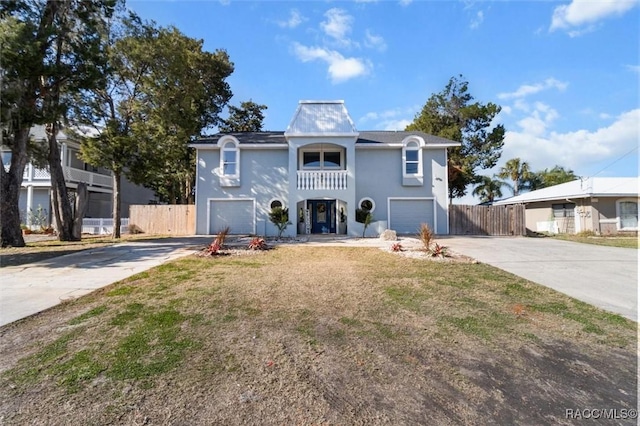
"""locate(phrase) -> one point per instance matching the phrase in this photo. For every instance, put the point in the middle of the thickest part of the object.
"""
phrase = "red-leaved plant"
(396, 247)
(438, 251)
(257, 244)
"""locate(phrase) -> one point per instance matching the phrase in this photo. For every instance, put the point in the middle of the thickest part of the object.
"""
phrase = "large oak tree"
(50, 50)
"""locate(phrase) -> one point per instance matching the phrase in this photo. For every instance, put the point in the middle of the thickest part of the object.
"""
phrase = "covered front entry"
(322, 215)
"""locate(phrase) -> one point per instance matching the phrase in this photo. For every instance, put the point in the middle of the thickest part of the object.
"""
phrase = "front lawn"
(317, 335)
(626, 242)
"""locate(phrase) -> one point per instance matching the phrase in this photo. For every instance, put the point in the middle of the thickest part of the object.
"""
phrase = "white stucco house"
(603, 205)
(35, 192)
(322, 169)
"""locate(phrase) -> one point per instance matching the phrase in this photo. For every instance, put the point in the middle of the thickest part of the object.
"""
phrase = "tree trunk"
(82, 202)
(10, 192)
(117, 220)
(60, 201)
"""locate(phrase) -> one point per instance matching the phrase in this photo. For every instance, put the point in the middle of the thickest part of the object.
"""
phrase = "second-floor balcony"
(322, 179)
(71, 174)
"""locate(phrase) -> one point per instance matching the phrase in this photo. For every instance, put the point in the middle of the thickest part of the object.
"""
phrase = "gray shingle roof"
(266, 138)
(385, 137)
(366, 137)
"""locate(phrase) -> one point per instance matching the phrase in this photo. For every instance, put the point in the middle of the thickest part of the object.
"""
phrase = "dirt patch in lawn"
(318, 335)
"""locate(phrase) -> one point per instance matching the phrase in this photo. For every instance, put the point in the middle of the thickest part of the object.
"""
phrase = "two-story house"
(35, 192)
(322, 169)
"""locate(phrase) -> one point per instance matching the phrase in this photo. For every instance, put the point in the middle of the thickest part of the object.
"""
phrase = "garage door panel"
(407, 215)
(238, 215)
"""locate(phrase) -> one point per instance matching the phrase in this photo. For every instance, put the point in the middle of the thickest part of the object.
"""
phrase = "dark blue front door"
(323, 217)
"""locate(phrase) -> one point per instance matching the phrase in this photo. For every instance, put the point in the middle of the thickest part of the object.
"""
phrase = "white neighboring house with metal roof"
(322, 169)
(603, 205)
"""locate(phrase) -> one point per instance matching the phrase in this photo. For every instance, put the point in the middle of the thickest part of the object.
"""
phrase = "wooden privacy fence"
(487, 220)
(163, 219)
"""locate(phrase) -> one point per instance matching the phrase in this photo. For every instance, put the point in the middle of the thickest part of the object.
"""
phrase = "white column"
(29, 203)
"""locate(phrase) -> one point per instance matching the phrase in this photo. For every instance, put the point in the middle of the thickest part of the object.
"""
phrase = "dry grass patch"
(317, 335)
(38, 250)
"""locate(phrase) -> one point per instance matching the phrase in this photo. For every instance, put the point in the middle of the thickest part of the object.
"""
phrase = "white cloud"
(391, 119)
(338, 25)
(536, 124)
(374, 41)
(575, 149)
(295, 19)
(396, 124)
(340, 68)
(587, 12)
(405, 2)
(634, 68)
(530, 89)
(479, 18)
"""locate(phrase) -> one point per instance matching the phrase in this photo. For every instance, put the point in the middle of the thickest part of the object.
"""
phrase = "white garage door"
(405, 216)
(238, 215)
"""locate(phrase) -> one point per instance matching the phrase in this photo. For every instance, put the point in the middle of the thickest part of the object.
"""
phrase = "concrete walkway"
(32, 288)
(606, 277)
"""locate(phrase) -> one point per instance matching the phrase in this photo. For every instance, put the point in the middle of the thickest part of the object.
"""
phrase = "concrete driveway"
(606, 277)
(32, 288)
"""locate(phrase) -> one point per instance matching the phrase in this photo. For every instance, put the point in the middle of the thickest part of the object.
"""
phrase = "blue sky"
(566, 73)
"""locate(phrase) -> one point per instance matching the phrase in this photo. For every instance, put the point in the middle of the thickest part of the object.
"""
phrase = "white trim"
(618, 216)
(209, 200)
(223, 148)
(373, 203)
(215, 147)
(435, 210)
(321, 148)
(227, 138)
(381, 145)
(405, 147)
(446, 189)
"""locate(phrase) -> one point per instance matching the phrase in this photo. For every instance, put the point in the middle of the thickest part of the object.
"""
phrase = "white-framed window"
(627, 211)
(230, 159)
(411, 159)
(322, 158)
(563, 210)
(367, 204)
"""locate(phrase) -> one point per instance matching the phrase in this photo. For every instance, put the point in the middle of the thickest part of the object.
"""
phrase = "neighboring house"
(35, 193)
(603, 205)
(322, 169)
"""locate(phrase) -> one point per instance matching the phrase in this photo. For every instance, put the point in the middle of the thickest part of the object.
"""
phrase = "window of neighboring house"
(412, 159)
(229, 159)
(75, 161)
(563, 210)
(322, 159)
(628, 214)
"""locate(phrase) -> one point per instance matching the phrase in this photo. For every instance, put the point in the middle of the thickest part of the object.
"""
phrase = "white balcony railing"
(91, 179)
(71, 174)
(322, 179)
(102, 226)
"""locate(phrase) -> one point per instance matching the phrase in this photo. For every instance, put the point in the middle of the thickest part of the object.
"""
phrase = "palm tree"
(519, 172)
(488, 189)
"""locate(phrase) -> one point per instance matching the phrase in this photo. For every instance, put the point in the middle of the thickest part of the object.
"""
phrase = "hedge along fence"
(163, 219)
